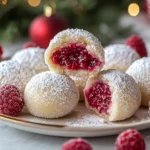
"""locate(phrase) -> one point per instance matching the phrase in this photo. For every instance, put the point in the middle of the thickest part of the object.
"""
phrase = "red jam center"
(75, 57)
(99, 97)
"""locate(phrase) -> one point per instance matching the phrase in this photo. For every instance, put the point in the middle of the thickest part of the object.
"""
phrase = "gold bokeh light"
(133, 9)
(34, 3)
(4, 2)
(48, 11)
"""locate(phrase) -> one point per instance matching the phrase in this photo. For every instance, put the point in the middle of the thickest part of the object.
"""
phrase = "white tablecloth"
(13, 139)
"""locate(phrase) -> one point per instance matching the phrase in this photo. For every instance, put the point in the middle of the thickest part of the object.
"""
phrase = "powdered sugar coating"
(140, 71)
(126, 96)
(87, 121)
(65, 37)
(11, 72)
(119, 56)
(80, 83)
(32, 58)
(81, 118)
(51, 95)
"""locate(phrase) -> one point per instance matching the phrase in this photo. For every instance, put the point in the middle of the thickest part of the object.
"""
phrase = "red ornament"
(43, 29)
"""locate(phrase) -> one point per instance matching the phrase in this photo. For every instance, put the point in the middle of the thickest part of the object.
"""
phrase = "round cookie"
(51, 95)
(11, 72)
(75, 52)
(113, 95)
(140, 71)
(119, 57)
(32, 58)
(80, 83)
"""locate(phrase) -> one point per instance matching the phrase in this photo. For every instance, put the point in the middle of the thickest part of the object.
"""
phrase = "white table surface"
(13, 139)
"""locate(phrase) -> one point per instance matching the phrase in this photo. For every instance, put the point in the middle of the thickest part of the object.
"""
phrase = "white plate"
(80, 123)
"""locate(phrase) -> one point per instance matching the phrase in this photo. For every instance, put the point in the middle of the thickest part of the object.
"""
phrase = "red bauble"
(43, 29)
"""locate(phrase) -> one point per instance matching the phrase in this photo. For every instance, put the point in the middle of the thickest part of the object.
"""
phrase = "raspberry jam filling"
(75, 57)
(99, 97)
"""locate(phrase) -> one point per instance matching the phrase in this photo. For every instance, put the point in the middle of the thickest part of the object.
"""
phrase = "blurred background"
(39, 20)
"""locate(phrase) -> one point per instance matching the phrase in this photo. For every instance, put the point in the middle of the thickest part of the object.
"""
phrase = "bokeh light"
(34, 3)
(133, 9)
(48, 11)
(4, 2)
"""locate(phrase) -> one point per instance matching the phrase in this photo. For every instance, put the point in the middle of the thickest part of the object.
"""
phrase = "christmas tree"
(100, 17)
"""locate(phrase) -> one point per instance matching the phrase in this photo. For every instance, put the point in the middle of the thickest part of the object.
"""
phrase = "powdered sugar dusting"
(51, 81)
(125, 97)
(48, 89)
(140, 71)
(87, 121)
(62, 39)
(126, 94)
(80, 83)
(77, 35)
(82, 118)
(119, 57)
(32, 58)
(11, 72)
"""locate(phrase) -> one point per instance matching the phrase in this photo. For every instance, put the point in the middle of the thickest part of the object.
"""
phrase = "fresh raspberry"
(11, 100)
(29, 44)
(76, 144)
(137, 44)
(130, 140)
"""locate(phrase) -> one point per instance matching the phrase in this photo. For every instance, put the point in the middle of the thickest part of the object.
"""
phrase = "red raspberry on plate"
(137, 43)
(76, 144)
(130, 140)
(29, 44)
(11, 100)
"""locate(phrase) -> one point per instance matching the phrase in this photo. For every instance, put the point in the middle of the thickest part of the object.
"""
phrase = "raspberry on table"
(76, 144)
(130, 140)
(137, 43)
(11, 100)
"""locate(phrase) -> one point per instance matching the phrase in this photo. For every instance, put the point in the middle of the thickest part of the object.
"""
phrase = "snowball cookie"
(113, 95)
(119, 57)
(75, 52)
(140, 71)
(11, 72)
(32, 58)
(80, 83)
(51, 95)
